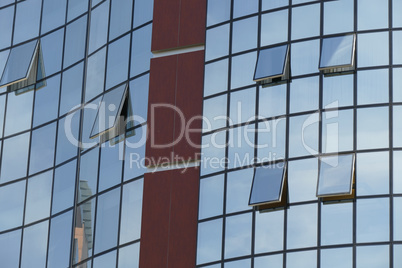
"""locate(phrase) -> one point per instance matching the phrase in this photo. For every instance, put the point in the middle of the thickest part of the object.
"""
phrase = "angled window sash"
(110, 120)
(269, 188)
(21, 70)
(336, 178)
(272, 65)
(338, 54)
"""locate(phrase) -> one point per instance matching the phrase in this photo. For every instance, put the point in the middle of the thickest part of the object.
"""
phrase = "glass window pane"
(209, 242)
(12, 198)
(141, 50)
(397, 126)
(242, 106)
(213, 152)
(95, 74)
(397, 172)
(88, 174)
(243, 67)
(19, 63)
(372, 14)
(337, 91)
(6, 22)
(47, 102)
(211, 196)
(34, 245)
(271, 261)
(337, 258)
(397, 42)
(215, 110)
(244, 7)
(18, 113)
(15, 158)
(274, 27)
(120, 17)
(303, 135)
(372, 49)
(372, 173)
(64, 187)
(397, 84)
(303, 259)
(131, 211)
(143, 12)
(336, 223)
(84, 227)
(238, 190)
(244, 33)
(2, 108)
(76, 8)
(397, 218)
(267, 184)
(271, 62)
(372, 122)
(302, 227)
(304, 94)
(27, 20)
(238, 264)
(42, 148)
(110, 168)
(372, 86)
(302, 180)
(337, 51)
(272, 101)
(10, 249)
(336, 175)
(67, 137)
(216, 77)
(99, 26)
(135, 154)
(105, 261)
(271, 140)
(217, 42)
(305, 57)
(372, 256)
(305, 21)
(71, 88)
(333, 11)
(397, 255)
(74, 48)
(107, 220)
(218, 11)
(60, 240)
(138, 96)
(372, 221)
(238, 235)
(129, 256)
(396, 16)
(337, 131)
(268, 232)
(38, 197)
(53, 14)
(271, 4)
(241, 146)
(117, 61)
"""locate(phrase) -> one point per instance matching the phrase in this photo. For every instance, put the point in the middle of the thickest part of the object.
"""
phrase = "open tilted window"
(269, 188)
(113, 111)
(337, 54)
(272, 65)
(336, 178)
(24, 66)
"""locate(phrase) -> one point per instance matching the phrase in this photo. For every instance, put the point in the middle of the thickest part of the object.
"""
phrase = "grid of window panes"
(65, 199)
(310, 115)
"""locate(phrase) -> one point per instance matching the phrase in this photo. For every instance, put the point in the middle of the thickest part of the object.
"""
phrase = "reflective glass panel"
(218, 11)
(15, 158)
(47, 102)
(338, 16)
(53, 14)
(71, 88)
(215, 110)
(217, 42)
(271, 261)
(34, 245)
(120, 18)
(372, 256)
(372, 86)
(216, 77)
(305, 57)
(213, 152)
(90, 112)
(270, 4)
(117, 61)
(141, 50)
(241, 146)
(336, 223)
(18, 113)
(131, 211)
(12, 198)
(397, 255)
(2, 108)
(398, 218)
(60, 240)
(143, 12)
(272, 101)
(337, 91)
(268, 231)
(397, 172)
(372, 49)
(211, 196)
(305, 21)
(27, 20)
(271, 62)
(337, 258)
(76, 8)
(372, 122)
(209, 242)
(84, 227)
(129, 256)
(304, 94)
(302, 180)
(396, 16)
(64, 187)
(6, 22)
(302, 259)
(337, 131)
(67, 137)
(302, 227)
(397, 126)
(238, 190)
(267, 184)
(99, 26)
(88, 174)
(135, 154)
(95, 77)
(397, 84)
(139, 100)
(238, 235)
(110, 167)
(74, 48)
(38, 197)
(10, 249)
(337, 51)
(372, 14)
(244, 7)
(42, 148)
(397, 42)
(271, 140)
(274, 27)
(372, 173)
(19, 63)
(105, 261)
(372, 220)
(244, 33)
(242, 106)
(303, 135)
(336, 174)
(243, 67)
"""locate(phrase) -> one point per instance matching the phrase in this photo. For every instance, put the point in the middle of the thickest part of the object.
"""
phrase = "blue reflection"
(271, 62)
(337, 51)
(60, 240)
(10, 249)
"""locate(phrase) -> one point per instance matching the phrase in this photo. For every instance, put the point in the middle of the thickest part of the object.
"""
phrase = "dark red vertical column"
(170, 198)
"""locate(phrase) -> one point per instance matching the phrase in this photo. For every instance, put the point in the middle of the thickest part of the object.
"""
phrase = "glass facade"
(67, 200)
